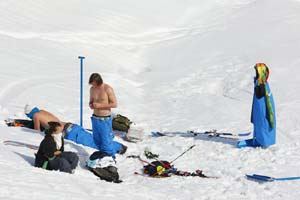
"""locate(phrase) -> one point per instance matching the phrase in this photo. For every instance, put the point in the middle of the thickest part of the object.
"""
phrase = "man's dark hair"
(95, 77)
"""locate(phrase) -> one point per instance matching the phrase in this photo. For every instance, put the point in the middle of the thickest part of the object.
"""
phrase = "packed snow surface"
(174, 66)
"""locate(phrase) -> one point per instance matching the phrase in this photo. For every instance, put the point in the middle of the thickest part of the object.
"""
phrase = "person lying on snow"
(51, 154)
(263, 111)
(71, 131)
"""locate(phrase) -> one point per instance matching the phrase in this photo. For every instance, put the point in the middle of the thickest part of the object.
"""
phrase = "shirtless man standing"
(102, 100)
(40, 117)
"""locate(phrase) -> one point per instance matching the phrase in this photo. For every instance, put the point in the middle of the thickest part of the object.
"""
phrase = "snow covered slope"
(175, 66)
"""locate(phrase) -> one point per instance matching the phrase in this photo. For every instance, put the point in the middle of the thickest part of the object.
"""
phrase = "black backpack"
(159, 168)
(109, 173)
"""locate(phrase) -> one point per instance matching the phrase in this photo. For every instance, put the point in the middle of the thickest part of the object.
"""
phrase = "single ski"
(158, 134)
(197, 173)
(31, 146)
(146, 175)
(19, 122)
(20, 144)
(263, 178)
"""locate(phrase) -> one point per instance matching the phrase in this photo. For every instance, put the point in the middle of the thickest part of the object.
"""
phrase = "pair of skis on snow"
(211, 133)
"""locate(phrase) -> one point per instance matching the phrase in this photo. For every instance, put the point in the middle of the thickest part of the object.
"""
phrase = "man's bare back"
(42, 118)
(102, 99)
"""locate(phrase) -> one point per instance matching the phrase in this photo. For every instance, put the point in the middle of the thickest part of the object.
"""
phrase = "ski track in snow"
(115, 39)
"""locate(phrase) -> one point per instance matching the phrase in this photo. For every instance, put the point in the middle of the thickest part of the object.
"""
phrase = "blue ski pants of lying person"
(79, 135)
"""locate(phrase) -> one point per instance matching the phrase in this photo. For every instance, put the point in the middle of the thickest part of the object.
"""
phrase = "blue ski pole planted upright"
(81, 87)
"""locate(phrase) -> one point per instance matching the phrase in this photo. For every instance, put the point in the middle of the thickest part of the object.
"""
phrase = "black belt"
(101, 116)
(68, 126)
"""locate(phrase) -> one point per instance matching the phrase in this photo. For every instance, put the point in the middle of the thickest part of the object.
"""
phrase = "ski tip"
(241, 144)
(259, 178)
(244, 134)
(154, 134)
(157, 134)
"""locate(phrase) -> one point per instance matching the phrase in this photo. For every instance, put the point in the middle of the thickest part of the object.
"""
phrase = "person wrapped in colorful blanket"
(263, 111)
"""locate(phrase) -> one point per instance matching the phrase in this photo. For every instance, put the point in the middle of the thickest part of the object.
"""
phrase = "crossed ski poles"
(164, 165)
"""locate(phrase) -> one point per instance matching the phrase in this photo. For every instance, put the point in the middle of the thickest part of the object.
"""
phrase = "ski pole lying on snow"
(269, 179)
(183, 153)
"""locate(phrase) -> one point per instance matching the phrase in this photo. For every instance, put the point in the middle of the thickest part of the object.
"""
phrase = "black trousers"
(65, 162)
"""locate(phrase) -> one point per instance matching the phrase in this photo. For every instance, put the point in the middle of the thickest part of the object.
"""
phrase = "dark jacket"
(46, 150)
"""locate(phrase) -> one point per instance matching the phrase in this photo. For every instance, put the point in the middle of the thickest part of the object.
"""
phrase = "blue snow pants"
(80, 136)
(103, 135)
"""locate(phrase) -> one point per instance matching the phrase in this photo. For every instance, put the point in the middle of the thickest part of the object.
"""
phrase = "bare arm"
(36, 121)
(112, 98)
(91, 100)
(112, 101)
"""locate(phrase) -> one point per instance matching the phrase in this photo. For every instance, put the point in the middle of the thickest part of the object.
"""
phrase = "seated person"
(51, 154)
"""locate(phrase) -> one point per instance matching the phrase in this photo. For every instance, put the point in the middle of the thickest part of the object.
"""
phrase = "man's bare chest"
(99, 95)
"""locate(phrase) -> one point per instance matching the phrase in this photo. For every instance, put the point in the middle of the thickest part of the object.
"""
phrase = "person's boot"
(123, 150)
(91, 163)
